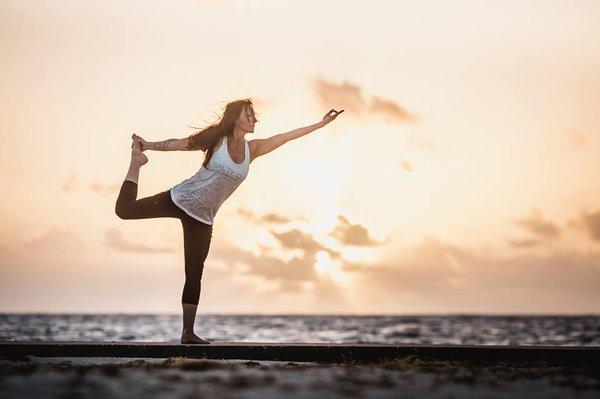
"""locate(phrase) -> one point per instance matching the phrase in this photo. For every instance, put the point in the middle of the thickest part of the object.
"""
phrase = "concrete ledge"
(305, 352)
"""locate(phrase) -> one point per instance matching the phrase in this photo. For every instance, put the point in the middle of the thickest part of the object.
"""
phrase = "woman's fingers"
(138, 138)
(331, 115)
(335, 113)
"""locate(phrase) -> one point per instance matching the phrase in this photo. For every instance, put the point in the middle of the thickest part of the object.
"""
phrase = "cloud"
(524, 243)
(268, 217)
(104, 188)
(275, 218)
(297, 239)
(290, 286)
(429, 276)
(113, 238)
(270, 267)
(352, 234)
(428, 264)
(391, 111)
(405, 165)
(420, 143)
(69, 184)
(349, 97)
(72, 182)
(331, 296)
(432, 275)
(54, 243)
(297, 276)
(246, 213)
(43, 248)
(535, 224)
(590, 223)
(345, 95)
(575, 138)
(298, 268)
(273, 268)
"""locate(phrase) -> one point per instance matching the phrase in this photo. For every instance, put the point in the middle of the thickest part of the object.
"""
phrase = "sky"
(462, 177)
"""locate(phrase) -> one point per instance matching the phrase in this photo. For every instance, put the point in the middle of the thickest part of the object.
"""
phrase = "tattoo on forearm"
(163, 145)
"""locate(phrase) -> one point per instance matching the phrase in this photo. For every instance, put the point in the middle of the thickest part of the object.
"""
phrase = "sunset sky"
(462, 177)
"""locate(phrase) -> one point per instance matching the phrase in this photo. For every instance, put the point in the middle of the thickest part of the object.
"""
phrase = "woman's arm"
(165, 145)
(168, 145)
(260, 147)
(263, 146)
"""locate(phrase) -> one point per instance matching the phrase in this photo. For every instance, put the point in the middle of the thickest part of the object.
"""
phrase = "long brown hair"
(206, 138)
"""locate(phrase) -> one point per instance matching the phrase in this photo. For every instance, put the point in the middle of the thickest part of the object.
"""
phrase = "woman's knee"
(121, 211)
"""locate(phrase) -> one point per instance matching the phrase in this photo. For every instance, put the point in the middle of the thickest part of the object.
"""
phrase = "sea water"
(440, 329)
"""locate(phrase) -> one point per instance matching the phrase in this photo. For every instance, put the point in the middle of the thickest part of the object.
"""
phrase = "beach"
(37, 377)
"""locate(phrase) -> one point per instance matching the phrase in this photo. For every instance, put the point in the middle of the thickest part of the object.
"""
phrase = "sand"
(191, 378)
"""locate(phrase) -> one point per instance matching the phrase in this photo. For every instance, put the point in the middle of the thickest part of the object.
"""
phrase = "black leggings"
(196, 235)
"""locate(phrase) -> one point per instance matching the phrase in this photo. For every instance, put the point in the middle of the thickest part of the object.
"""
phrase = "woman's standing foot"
(191, 338)
(189, 316)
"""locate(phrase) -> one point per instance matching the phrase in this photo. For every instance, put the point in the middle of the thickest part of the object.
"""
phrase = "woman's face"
(247, 119)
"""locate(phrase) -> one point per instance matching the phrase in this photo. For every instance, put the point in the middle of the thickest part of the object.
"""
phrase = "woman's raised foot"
(137, 156)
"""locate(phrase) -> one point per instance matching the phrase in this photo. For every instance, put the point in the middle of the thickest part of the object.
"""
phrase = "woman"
(195, 201)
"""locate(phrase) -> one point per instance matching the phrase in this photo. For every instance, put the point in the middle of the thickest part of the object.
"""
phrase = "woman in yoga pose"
(195, 201)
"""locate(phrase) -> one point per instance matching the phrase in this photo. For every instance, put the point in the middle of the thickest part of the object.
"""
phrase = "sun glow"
(324, 262)
(325, 266)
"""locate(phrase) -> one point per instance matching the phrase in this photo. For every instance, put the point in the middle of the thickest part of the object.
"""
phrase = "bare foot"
(191, 338)
(137, 156)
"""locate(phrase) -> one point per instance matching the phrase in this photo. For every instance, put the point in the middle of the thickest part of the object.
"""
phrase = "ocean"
(452, 329)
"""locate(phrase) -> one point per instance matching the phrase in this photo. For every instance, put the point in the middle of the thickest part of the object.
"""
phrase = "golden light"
(325, 266)
(324, 262)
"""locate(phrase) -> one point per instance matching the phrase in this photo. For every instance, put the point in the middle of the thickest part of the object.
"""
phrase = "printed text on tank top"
(201, 195)
(227, 166)
(224, 142)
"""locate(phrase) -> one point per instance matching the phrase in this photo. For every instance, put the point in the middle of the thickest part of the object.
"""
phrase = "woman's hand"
(331, 115)
(143, 143)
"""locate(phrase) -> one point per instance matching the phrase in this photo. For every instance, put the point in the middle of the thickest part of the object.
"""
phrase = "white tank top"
(201, 195)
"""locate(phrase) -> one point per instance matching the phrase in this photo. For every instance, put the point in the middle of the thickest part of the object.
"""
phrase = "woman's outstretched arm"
(165, 145)
(260, 147)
